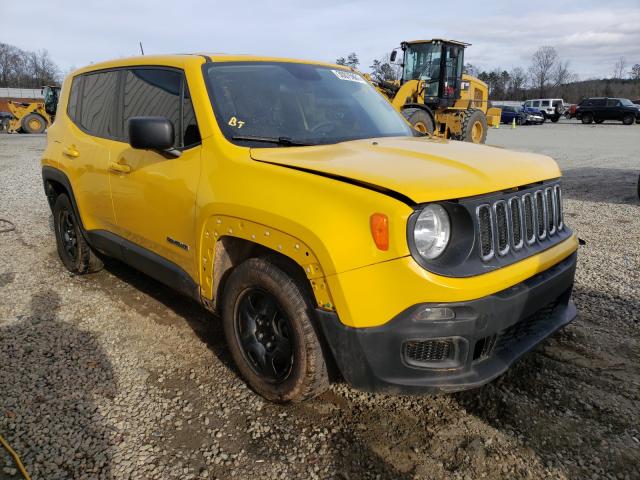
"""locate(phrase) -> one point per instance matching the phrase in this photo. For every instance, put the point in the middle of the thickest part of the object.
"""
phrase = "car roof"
(181, 60)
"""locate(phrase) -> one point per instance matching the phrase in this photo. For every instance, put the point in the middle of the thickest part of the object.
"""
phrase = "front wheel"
(268, 324)
(628, 119)
(419, 119)
(33, 123)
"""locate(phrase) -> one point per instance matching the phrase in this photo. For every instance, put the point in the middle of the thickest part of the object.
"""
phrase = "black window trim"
(119, 110)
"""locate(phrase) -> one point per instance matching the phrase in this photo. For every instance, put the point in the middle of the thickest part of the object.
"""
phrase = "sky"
(592, 35)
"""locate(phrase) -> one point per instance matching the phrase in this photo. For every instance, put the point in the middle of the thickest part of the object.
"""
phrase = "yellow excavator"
(435, 96)
(34, 117)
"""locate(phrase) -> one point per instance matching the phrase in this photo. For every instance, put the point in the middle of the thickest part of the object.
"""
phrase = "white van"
(552, 108)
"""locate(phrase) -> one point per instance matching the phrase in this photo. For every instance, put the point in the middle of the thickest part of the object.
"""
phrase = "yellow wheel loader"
(34, 117)
(436, 97)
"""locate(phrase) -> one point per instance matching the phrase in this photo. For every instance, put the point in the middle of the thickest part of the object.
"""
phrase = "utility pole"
(141, 49)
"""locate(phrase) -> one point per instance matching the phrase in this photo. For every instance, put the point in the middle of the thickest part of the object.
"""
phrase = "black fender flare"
(51, 174)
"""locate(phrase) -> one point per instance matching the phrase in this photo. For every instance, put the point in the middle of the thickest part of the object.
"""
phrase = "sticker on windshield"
(234, 122)
(348, 76)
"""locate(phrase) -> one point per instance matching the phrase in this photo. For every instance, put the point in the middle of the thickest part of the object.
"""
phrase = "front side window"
(308, 104)
(152, 92)
(98, 103)
(536, 103)
(613, 102)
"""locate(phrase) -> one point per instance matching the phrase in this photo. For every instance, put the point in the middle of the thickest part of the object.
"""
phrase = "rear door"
(613, 109)
(599, 108)
(155, 201)
(86, 149)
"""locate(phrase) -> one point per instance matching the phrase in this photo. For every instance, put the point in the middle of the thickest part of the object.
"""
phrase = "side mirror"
(152, 133)
(392, 57)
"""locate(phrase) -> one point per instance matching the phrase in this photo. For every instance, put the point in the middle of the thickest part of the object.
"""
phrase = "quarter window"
(72, 105)
(98, 103)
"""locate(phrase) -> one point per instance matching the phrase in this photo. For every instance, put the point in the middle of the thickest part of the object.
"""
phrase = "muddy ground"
(113, 375)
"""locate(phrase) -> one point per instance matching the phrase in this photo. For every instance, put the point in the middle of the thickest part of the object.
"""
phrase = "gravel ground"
(113, 375)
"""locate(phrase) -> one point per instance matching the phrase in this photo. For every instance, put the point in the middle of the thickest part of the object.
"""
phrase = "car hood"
(419, 169)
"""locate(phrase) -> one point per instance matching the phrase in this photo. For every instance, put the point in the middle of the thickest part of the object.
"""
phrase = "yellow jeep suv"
(332, 239)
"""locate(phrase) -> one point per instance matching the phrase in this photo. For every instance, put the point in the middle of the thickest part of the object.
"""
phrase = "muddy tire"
(419, 119)
(33, 123)
(268, 324)
(73, 250)
(474, 127)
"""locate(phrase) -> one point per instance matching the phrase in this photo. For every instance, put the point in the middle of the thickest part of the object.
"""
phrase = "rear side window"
(98, 104)
(545, 103)
(598, 102)
(74, 95)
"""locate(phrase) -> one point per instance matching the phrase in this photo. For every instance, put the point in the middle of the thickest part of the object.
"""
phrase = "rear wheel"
(268, 324)
(520, 121)
(74, 251)
(420, 119)
(33, 123)
(555, 118)
(587, 118)
(474, 127)
(628, 119)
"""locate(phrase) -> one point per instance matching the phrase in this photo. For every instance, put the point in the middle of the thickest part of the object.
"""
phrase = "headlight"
(432, 231)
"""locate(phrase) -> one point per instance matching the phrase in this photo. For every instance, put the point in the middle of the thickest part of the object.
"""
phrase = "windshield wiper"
(282, 141)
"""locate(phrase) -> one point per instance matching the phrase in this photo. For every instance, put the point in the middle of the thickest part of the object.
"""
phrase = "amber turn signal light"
(380, 230)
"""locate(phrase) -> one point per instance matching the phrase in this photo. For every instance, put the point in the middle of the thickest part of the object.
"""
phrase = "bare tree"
(541, 69)
(561, 74)
(352, 60)
(619, 69)
(19, 68)
(518, 82)
(635, 71)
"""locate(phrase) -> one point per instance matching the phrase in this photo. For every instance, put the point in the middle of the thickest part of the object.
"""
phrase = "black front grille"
(503, 227)
(486, 235)
(529, 219)
(516, 212)
(540, 214)
(551, 223)
(424, 351)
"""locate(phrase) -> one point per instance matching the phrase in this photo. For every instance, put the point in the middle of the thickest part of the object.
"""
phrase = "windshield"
(626, 102)
(422, 62)
(288, 104)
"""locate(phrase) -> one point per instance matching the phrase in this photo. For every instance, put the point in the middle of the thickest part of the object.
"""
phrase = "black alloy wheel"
(68, 234)
(264, 333)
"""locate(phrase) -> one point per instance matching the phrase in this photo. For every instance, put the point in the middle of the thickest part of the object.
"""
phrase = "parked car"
(325, 231)
(601, 109)
(552, 108)
(570, 111)
(521, 115)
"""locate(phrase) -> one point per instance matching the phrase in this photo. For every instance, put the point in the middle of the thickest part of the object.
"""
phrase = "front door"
(154, 197)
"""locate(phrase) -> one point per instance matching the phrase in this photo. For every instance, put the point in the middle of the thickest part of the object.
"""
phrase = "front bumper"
(486, 337)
